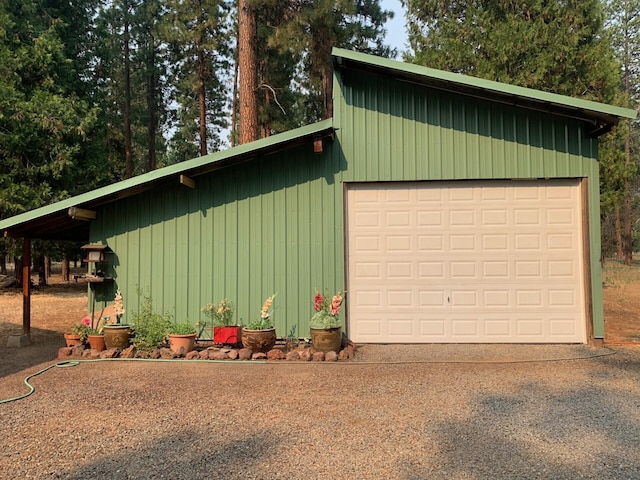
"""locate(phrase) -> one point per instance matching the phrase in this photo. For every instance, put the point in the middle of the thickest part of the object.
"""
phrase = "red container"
(227, 335)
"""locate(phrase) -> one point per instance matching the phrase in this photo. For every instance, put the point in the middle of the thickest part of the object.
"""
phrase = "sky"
(396, 28)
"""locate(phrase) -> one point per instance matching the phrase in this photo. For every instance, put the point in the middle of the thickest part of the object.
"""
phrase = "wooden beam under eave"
(26, 287)
(188, 182)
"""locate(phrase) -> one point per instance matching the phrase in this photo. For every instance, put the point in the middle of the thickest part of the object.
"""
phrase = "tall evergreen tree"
(313, 27)
(624, 26)
(555, 45)
(198, 39)
(43, 121)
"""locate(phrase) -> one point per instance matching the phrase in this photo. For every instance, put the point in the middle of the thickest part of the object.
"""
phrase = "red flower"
(318, 302)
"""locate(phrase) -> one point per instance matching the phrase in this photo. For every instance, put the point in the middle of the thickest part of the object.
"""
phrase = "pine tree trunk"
(327, 91)
(234, 102)
(128, 159)
(618, 228)
(17, 262)
(152, 107)
(202, 103)
(248, 65)
(65, 270)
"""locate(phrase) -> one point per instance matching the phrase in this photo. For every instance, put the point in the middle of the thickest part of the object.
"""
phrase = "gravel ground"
(436, 412)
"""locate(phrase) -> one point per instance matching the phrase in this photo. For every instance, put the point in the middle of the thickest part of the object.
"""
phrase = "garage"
(466, 262)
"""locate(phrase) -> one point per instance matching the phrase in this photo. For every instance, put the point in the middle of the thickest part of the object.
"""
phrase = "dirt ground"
(57, 307)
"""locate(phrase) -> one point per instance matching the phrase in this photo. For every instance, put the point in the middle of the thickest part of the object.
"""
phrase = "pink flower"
(318, 302)
(336, 301)
(86, 321)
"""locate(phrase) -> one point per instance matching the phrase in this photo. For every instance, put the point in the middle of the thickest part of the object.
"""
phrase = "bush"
(150, 328)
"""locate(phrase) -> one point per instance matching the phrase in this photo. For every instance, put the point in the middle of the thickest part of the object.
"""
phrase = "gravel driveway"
(420, 412)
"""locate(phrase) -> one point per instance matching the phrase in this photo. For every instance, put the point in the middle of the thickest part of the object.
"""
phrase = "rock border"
(300, 354)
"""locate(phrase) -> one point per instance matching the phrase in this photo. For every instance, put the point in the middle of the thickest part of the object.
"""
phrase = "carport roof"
(54, 222)
(601, 116)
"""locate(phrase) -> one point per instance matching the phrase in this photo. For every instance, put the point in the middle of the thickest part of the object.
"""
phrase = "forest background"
(96, 91)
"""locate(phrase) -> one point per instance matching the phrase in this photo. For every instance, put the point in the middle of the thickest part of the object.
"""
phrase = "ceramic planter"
(186, 342)
(327, 339)
(117, 336)
(228, 335)
(259, 340)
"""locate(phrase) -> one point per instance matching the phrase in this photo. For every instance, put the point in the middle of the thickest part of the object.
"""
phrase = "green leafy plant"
(327, 310)
(150, 328)
(184, 328)
(265, 321)
(221, 315)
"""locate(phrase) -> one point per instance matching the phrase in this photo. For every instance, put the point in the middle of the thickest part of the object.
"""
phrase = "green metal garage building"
(452, 209)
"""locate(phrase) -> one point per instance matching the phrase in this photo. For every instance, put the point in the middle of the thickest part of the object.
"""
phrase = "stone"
(244, 354)
(167, 353)
(193, 354)
(129, 352)
(219, 355)
(293, 355)
(77, 350)
(204, 355)
(259, 356)
(344, 355)
(318, 357)
(86, 353)
(64, 352)
(306, 355)
(232, 354)
(275, 354)
(331, 357)
(94, 354)
(110, 353)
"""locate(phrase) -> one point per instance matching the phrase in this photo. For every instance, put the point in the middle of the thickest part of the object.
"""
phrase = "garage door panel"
(492, 262)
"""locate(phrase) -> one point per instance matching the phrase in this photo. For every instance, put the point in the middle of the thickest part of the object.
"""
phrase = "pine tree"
(555, 45)
(624, 26)
(196, 32)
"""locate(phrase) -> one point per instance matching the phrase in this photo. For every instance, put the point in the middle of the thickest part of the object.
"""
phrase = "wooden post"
(26, 287)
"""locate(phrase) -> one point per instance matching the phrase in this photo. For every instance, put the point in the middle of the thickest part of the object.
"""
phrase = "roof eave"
(52, 222)
(600, 116)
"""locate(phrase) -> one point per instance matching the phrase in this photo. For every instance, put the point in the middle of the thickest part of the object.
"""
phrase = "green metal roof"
(601, 116)
(54, 222)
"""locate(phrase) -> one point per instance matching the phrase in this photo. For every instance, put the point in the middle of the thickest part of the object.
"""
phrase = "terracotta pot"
(117, 336)
(96, 342)
(229, 335)
(327, 339)
(176, 342)
(72, 339)
(259, 340)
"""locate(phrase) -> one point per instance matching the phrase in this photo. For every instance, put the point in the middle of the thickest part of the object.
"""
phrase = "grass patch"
(616, 274)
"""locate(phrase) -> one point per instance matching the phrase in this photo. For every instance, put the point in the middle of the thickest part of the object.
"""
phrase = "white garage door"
(466, 262)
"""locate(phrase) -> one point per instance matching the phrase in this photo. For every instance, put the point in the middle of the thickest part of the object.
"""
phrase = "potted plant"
(326, 331)
(79, 332)
(95, 334)
(150, 328)
(260, 334)
(221, 315)
(182, 336)
(117, 335)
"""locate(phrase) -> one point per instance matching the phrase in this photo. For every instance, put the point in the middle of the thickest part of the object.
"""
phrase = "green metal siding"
(269, 226)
